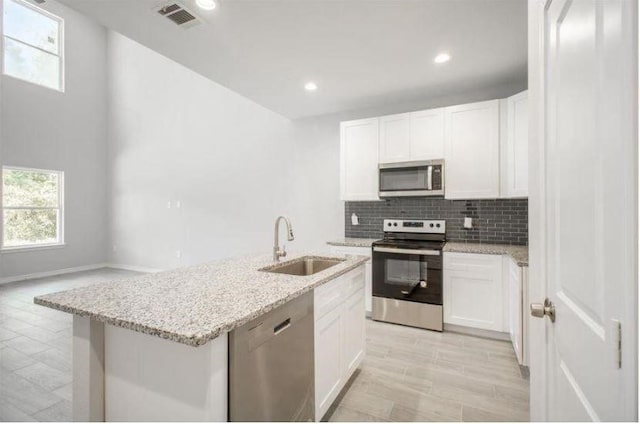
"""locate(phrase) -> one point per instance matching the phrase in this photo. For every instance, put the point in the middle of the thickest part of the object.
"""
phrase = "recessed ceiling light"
(311, 86)
(206, 4)
(442, 58)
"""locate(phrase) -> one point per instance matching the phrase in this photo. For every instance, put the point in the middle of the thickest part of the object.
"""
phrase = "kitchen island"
(155, 347)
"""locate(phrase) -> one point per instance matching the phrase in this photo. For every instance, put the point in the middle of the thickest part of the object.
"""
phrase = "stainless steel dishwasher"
(271, 365)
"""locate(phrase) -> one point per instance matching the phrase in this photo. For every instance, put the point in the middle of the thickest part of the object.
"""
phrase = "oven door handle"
(420, 252)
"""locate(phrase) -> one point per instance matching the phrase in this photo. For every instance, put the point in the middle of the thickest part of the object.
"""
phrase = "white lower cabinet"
(517, 292)
(361, 251)
(487, 292)
(339, 336)
(473, 289)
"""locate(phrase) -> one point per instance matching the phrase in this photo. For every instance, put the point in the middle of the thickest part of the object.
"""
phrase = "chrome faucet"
(277, 252)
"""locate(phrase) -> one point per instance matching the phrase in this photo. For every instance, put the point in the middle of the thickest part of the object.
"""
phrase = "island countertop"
(195, 304)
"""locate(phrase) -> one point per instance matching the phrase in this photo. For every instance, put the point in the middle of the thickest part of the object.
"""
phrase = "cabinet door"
(328, 358)
(354, 332)
(427, 134)
(472, 151)
(472, 292)
(395, 138)
(359, 160)
(515, 147)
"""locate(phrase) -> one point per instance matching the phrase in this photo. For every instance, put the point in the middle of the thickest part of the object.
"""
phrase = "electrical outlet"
(178, 204)
(178, 254)
(169, 204)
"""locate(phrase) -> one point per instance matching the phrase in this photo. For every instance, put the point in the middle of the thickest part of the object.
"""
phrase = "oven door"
(407, 274)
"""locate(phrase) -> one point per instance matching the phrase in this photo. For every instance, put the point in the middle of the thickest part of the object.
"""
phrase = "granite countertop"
(195, 304)
(519, 253)
(352, 242)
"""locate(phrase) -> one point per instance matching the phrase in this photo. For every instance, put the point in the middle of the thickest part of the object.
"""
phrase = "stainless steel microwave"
(419, 178)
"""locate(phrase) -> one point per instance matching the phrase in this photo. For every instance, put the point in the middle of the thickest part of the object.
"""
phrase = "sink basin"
(303, 266)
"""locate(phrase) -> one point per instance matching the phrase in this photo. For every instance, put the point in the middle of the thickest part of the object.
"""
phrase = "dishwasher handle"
(282, 326)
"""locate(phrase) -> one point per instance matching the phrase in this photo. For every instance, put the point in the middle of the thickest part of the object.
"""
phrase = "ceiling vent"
(179, 15)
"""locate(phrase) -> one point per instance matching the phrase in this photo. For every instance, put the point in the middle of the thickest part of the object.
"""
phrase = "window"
(31, 207)
(32, 44)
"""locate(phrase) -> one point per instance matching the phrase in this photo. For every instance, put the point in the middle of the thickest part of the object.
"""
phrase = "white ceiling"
(361, 53)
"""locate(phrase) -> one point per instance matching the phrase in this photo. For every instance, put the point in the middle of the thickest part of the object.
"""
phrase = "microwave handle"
(430, 177)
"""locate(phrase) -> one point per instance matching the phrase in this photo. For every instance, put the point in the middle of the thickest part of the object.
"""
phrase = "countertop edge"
(352, 242)
(490, 249)
(198, 340)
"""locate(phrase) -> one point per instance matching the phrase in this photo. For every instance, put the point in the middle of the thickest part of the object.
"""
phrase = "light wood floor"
(416, 375)
(408, 374)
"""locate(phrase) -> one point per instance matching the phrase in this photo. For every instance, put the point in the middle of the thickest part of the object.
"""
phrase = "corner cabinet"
(515, 146)
(339, 335)
(472, 151)
(359, 159)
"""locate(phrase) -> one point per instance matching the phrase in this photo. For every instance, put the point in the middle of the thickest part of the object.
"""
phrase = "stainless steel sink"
(306, 265)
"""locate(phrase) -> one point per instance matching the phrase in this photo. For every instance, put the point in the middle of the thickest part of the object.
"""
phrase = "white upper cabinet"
(359, 159)
(427, 134)
(412, 136)
(472, 151)
(515, 146)
(395, 140)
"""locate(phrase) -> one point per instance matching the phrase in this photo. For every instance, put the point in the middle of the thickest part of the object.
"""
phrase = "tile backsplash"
(503, 221)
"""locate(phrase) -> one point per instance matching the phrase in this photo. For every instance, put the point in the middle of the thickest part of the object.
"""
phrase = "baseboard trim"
(478, 332)
(44, 274)
(133, 268)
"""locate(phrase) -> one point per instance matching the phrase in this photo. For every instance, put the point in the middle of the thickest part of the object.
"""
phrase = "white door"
(427, 134)
(472, 151)
(395, 141)
(588, 201)
(359, 160)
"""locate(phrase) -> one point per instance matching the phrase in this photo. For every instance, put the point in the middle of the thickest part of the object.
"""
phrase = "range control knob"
(395, 224)
(431, 225)
(438, 225)
(389, 224)
(423, 284)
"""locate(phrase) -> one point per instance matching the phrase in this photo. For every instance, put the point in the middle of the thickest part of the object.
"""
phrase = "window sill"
(18, 249)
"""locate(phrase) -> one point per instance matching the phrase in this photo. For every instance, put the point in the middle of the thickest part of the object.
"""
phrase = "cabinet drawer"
(353, 281)
(333, 293)
(472, 262)
(327, 297)
(349, 250)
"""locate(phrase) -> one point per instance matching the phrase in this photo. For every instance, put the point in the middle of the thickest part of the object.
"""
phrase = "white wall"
(43, 128)
(177, 136)
(233, 165)
(161, 133)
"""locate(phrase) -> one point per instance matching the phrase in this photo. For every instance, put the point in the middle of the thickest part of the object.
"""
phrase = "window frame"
(60, 208)
(61, 43)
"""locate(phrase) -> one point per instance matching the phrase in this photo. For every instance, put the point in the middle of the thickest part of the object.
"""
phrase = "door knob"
(539, 310)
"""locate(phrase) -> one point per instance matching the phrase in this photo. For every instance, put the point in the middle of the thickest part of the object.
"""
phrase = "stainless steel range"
(407, 273)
